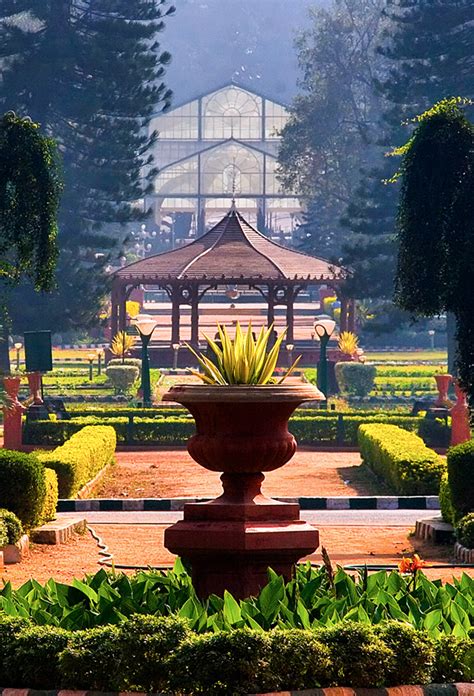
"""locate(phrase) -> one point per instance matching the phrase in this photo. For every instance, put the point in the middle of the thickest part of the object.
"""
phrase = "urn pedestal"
(231, 541)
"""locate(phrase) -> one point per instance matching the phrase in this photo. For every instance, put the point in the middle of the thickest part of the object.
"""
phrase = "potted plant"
(241, 416)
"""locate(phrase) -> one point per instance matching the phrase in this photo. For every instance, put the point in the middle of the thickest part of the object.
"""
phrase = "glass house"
(220, 146)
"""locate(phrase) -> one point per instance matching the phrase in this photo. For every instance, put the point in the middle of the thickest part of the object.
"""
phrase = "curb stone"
(462, 689)
(421, 502)
(435, 530)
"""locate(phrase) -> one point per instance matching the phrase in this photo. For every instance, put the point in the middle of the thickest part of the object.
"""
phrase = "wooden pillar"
(271, 306)
(290, 316)
(351, 315)
(175, 318)
(343, 321)
(195, 317)
(122, 308)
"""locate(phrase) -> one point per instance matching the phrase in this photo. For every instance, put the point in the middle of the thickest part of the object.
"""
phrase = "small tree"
(30, 188)
(121, 344)
(436, 225)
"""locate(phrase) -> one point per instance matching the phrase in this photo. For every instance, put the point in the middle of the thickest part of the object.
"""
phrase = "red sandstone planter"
(231, 541)
(443, 382)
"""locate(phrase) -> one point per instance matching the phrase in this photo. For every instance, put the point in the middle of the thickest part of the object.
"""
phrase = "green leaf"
(232, 612)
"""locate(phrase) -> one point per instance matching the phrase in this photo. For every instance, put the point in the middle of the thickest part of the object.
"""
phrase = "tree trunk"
(452, 343)
(4, 348)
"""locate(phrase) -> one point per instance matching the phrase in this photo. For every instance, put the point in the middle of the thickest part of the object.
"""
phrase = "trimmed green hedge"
(154, 654)
(401, 458)
(308, 430)
(460, 462)
(82, 457)
(10, 527)
(23, 488)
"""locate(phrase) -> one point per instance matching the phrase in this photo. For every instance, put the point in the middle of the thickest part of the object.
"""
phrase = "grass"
(411, 356)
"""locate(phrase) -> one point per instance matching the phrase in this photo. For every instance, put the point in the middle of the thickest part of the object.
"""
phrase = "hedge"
(80, 458)
(460, 462)
(308, 430)
(401, 458)
(10, 527)
(22, 486)
(155, 654)
(355, 378)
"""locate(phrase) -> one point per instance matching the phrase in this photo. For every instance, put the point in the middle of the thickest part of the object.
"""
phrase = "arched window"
(232, 113)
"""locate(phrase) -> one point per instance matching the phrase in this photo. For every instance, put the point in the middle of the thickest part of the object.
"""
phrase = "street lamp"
(100, 353)
(145, 325)
(290, 347)
(431, 334)
(323, 329)
(18, 347)
(91, 357)
(176, 347)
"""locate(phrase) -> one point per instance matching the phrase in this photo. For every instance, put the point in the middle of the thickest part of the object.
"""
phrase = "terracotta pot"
(231, 541)
(443, 382)
(242, 429)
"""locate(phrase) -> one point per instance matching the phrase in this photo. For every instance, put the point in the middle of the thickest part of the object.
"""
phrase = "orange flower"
(411, 565)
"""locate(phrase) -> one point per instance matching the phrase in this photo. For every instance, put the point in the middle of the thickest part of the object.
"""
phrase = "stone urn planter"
(443, 382)
(231, 541)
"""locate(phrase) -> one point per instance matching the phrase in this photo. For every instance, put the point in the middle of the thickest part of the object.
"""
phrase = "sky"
(249, 41)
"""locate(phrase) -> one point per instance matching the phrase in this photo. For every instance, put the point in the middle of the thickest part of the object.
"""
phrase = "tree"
(331, 126)
(30, 187)
(90, 72)
(435, 226)
(428, 54)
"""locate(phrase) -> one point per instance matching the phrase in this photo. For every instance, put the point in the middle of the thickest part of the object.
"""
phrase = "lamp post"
(323, 329)
(18, 347)
(100, 353)
(176, 347)
(91, 357)
(145, 325)
(290, 347)
(431, 334)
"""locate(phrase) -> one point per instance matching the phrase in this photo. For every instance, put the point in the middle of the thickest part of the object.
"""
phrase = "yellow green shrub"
(48, 511)
(81, 457)
(401, 458)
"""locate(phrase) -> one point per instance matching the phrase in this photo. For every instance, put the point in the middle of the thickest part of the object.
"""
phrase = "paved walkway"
(171, 473)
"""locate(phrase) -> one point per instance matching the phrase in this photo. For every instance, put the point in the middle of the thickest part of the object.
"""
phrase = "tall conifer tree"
(91, 73)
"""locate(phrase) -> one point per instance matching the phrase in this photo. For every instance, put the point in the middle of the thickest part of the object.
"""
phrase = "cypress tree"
(91, 73)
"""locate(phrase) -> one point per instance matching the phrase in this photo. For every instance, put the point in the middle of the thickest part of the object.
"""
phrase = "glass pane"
(178, 124)
(232, 113)
(178, 178)
(231, 168)
(276, 117)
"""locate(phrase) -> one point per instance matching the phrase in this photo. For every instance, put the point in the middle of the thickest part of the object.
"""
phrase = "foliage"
(298, 659)
(126, 361)
(123, 377)
(29, 200)
(460, 462)
(93, 77)
(330, 131)
(355, 378)
(22, 486)
(132, 308)
(414, 653)
(244, 360)
(435, 432)
(309, 601)
(445, 502)
(435, 225)
(50, 503)
(465, 530)
(34, 659)
(3, 534)
(81, 457)
(121, 344)
(454, 661)
(12, 526)
(176, 430)
(348, 342)
(92, 659)
(401, 458)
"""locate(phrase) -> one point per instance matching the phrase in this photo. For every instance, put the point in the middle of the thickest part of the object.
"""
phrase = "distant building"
(215, 147)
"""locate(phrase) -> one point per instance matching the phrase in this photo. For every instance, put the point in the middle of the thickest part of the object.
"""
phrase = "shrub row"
(457, 492)
(80, 458)
(308, 430)
(157, 654)
(26, 488)
(11, 528)
(401, 458)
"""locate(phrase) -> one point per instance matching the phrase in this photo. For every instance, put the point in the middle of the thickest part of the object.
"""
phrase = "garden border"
(418, 502)
(460, 689)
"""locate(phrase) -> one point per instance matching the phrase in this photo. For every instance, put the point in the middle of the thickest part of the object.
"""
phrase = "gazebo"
(232, 253)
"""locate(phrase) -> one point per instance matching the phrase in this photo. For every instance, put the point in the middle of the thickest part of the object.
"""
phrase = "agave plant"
(348, 342)
(242, 360)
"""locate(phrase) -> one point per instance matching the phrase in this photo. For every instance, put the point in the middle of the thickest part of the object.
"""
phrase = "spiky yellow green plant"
(348, 342)
(242, 360)
(121, 344)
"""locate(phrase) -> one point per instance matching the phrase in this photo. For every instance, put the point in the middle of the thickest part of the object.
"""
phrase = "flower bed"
(150, 633)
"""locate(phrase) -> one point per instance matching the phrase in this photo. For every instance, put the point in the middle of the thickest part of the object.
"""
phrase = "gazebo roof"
(232, 250)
